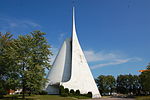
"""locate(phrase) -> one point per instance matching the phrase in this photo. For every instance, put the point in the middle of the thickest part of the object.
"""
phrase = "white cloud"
(107, 58)
(93, 56)
(102, 58)
(13, 24)
(115, 62)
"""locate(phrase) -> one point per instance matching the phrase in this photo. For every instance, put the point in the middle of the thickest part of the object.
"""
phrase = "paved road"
(112, 99)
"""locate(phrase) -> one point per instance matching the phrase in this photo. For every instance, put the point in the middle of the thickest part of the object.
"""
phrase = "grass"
(52, 97)
(57, 97)
(81, 97)
(40, 97)
(143, 98)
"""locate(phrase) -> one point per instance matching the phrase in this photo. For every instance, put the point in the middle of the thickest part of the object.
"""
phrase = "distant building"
(18, 91)
(70, 69)
(11, 91)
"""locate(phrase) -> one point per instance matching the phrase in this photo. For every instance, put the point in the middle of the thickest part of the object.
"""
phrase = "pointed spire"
(73, 21)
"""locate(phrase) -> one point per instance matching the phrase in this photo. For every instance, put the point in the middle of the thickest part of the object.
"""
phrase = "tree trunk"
(23, 90)
(23, 83)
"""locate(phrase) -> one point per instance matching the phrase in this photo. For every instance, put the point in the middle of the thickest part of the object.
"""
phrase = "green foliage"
(64, 94)
(14, 96)
(42, 92)
(145, 81)
(39, 97)
(8, 69)
(128, 84)
(77, 92)
(106, 84)
(23, 61)
(72, 92)
(67, 90)
(89, 94)
(148, 66)
(61, 90)
(125, 84)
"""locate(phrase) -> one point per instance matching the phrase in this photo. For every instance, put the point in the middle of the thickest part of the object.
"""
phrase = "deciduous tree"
(106, 84)
(145, 80)
(31, 55)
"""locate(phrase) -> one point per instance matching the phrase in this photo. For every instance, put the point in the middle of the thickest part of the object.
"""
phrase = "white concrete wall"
(67, 67)
(61, 68)
(81, 76)
(71, 69)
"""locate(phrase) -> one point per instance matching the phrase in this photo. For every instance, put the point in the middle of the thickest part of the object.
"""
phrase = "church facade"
(70, 68)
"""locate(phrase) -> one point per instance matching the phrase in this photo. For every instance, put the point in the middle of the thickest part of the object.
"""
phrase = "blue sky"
(114, 34)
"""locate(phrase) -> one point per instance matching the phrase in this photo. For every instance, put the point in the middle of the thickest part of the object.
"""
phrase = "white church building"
(70, 68)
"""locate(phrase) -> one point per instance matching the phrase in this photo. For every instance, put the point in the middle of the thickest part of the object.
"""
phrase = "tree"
(128, 84)
(148, 66)
(122, 84)
(8, 74)
(31, 55)
(106, 84)
(137, 85)
(145, 80)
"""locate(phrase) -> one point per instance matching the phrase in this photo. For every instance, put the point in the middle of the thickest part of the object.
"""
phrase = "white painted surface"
(81, 77)
(61, 66)
(60, 71)
(71, 69)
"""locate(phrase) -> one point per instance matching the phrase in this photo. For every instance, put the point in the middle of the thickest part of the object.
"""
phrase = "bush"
(71, 91)
(61, 90)
(67, 90)
(77, 92)
(43, 92)
(64, 94)
(89, 94)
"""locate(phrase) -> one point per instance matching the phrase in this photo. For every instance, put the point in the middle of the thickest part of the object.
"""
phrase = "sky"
(114, 34)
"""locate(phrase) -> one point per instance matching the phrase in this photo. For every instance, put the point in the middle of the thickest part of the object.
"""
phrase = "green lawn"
(41, 97)
(143, 98)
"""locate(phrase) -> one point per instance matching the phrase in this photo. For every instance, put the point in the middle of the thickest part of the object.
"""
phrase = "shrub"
(71, 91)
(61, 90)
(43, 92)
(67, 90)
(89, 94)
(64, 94)
(77, 92)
